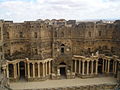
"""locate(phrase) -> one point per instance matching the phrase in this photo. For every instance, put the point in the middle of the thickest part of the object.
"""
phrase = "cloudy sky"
(21, 10)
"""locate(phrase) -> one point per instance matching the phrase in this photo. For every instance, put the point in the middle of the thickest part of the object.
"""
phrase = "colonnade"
(108, 66)
(31, 67)
(91, 67)
(43, 69)
(85, 67)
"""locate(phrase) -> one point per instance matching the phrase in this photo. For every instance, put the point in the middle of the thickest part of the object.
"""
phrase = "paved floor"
(62, 83)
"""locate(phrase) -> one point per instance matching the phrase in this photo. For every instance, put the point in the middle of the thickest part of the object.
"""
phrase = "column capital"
(88, 61)
(83, 60)
(79, 59)
(43, 62)
(33, 62)
(14, 63)
(38, 62)
(96, 60)
(108, 59)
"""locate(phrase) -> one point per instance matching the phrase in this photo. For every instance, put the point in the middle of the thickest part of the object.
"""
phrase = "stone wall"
(4, 83)
(88, 87)
(36, 40)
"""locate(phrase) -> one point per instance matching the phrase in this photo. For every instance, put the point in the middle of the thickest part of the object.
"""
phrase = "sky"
(27, 10)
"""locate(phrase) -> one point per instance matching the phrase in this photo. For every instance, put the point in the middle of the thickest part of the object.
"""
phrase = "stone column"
(83, 62)
(25, 69)
(92, 67)
(7, 71)
(28, 70)
(43, 70)
(38, 69)
(87, 67)
(14, 65)
(18, 70)
(33, 70)
(96, 71)
(115, 67)
(79, 67)
(75, 66)
(103, 66)
(108, 68)
(46, 68)
(49, 68)
(4, 72)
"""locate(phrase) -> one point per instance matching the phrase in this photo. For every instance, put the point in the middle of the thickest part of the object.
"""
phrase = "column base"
(86, 76)
(38, 78)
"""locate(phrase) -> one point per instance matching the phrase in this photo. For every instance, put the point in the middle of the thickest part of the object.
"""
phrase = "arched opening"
(36, 69)
(111, 65)
(31, 70)
(62, 49)
(21, 34)
(100, 63)
(11, 70)
(22, 70)
(62, 66)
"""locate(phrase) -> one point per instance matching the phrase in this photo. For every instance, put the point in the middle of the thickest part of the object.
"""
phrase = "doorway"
(100, 64)
(62, 67)
(62, 71)
(22, 70)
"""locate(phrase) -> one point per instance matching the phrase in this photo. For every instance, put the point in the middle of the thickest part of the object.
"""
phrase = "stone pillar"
(92, 67)
(43, 70)
(103, 66)
(28, 70)
(75, 65)
(38, 69)
(87, 67)
(18, 70)
(115, 67)
(83, 63)
(46, 68)
(25, 69)
(108, 68)
(7, 71)
(33, 70)
(14, 65)
(96, 71)
(79, 67)
(4, 72)
(49, 68)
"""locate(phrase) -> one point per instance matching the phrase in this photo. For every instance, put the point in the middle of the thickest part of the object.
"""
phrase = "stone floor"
(62, 83)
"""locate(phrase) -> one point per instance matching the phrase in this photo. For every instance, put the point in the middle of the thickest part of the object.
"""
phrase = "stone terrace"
(77, 82)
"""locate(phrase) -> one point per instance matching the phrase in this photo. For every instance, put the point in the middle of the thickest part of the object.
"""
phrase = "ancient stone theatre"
(55, 49)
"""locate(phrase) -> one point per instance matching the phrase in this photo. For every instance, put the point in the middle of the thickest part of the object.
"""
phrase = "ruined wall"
(37, 40)
(29, 39)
